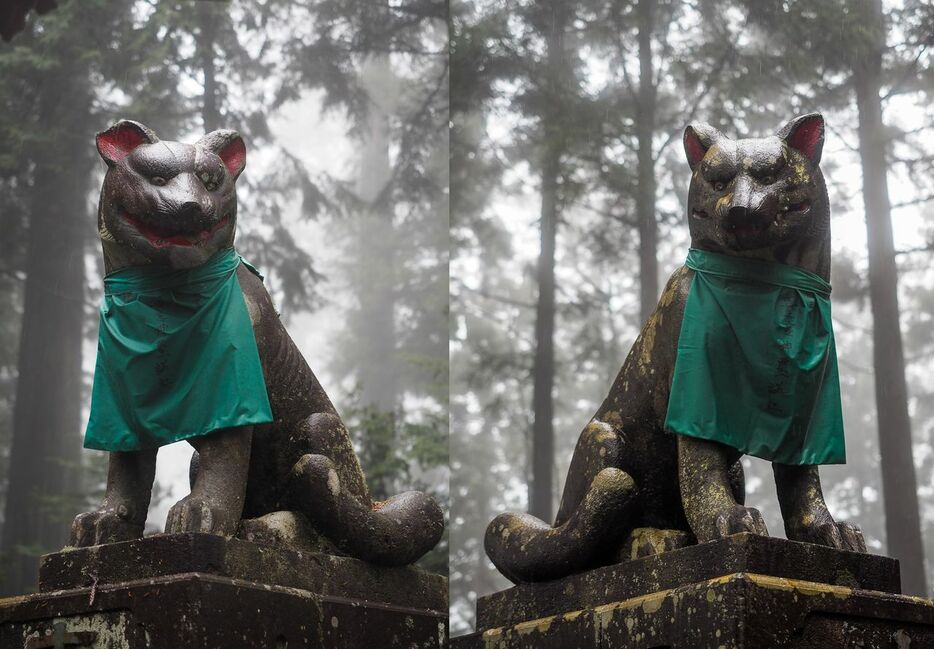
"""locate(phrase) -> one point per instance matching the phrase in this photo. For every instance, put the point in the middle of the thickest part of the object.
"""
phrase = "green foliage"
(375, 434)
(49, 110)
(182, 66)
(384, 65)
(400, 454)
(745, 67)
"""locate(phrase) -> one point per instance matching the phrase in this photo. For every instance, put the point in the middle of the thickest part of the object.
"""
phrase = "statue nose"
(742, 217)
(190, 210)
(741, 200)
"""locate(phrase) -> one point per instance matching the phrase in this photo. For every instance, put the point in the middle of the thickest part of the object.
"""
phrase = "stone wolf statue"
(737, 358)
(192, 348)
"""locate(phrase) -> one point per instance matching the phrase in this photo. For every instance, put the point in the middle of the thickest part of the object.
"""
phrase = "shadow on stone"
(204, 591)
(743, 592)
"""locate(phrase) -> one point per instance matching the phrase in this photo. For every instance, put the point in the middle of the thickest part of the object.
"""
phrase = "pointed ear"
(698, 137)
(229, 147)
(118, 141)
(806, 135)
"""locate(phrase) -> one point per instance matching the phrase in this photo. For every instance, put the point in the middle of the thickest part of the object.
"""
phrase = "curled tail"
(525, 548)
(591, 520)
(396, 532)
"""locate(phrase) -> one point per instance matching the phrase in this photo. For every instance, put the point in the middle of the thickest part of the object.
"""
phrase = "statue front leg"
(122, 514)
(708, 493)
(805, 512)
(215, 504)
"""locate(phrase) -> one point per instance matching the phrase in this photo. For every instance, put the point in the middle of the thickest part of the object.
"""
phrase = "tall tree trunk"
(902, 523)
(207, 22)
(45, 452)
(541, 490)
(375, 276)
(541, 487)
(645, 194)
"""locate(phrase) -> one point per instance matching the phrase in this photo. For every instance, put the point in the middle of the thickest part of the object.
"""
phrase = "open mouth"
(161, 237)
(747, 230)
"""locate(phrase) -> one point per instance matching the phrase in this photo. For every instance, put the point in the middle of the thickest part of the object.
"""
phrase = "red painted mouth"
(161, 239)
(747, 231)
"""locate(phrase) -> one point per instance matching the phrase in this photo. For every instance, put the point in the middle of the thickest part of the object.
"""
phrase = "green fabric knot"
(176, 357)
(756, 367)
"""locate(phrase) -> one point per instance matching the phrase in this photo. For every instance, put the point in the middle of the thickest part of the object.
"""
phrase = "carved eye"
(158, 181)
(209, 183)
(719, 186)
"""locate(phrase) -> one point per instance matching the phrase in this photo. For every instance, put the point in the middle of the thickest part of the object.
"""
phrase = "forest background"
(343, 206)
(569, 184)
(567, 210)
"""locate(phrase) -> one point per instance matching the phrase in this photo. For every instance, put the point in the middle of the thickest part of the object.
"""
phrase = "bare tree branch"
(912, 68)
(928, 247)
(916, 201)
(498, 298)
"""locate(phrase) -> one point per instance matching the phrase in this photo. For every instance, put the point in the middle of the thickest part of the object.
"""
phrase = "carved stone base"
(744, 592)
(203, 592)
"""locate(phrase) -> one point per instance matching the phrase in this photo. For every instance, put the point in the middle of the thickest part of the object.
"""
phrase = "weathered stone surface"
(198, 611)
(628, 471)
(738, 611)
(649, 541)
(741, 553)
(172, 554)
(168, 208)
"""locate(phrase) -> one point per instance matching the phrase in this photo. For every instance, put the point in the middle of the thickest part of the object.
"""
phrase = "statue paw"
(106, 525)
(842, 536)
(193, 514)
(740, 519)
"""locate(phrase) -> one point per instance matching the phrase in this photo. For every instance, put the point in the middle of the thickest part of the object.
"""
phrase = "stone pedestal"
(200, 591)
(743, 592)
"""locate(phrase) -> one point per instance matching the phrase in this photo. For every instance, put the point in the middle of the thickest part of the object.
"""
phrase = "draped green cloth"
(176, 357)
(756, 367)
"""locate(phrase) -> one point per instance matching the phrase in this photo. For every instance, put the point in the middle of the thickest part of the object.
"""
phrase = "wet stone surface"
(198, 611)
(742, 592)
(200, 591)
(741, 553)
(739, 611)
(172, 554)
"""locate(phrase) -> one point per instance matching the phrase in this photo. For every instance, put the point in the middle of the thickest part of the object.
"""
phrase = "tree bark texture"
(645, 196)
(210, 114)
(45, 452)
(542, 487)
(899, 485)
(374, 272)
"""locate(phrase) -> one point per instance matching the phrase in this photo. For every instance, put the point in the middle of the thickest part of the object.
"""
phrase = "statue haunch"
(296, 479)
(633, 486)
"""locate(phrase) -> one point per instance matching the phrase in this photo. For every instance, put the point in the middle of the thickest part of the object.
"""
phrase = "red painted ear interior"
(807, 137)
(693, 147)
(234, 156)
(118, 142)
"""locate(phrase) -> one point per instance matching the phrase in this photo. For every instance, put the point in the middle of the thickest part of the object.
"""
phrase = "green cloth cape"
(176, 357)
(757, 366)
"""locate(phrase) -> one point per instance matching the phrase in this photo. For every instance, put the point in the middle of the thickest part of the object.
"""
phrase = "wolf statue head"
(164, 202)
(760, 197)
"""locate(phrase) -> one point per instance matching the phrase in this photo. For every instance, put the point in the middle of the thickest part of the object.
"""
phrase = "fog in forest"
(465, 212)
(343, 108)
(565, 117)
